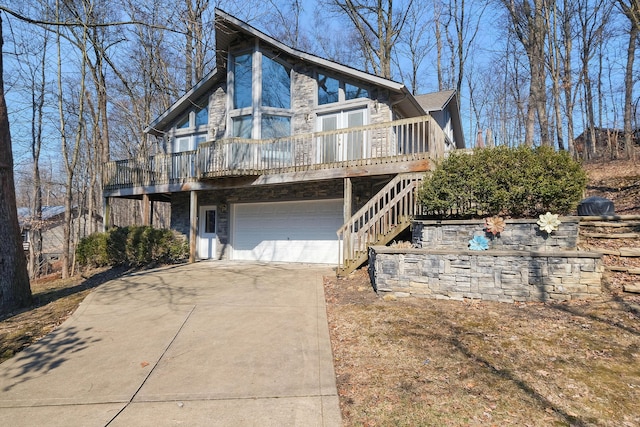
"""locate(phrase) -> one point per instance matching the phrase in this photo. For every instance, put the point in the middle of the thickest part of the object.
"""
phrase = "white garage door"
(287, 231)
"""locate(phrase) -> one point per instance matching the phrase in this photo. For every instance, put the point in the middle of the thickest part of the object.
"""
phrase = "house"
(609, 142)
(280, 155)
(51, 226)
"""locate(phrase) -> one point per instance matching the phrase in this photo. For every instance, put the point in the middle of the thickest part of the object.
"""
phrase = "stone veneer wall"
(522, 263)
(505, 276)
(519, 234)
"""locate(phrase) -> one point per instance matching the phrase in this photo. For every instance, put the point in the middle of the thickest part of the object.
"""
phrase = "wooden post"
(106, 214)
(146, 210)
(348, 199)
(193, 227)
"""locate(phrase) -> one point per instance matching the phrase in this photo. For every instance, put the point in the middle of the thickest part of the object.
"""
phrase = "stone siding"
(493, 275)
(519, 234)
(218, 112)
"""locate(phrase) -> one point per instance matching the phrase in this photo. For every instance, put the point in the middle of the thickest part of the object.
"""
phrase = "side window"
(202, 116)
(354, 92)
(184, 123)
(242, 126)
(328, 89)
(332, 90)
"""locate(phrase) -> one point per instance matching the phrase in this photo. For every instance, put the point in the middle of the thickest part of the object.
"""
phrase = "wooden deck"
(366, 150)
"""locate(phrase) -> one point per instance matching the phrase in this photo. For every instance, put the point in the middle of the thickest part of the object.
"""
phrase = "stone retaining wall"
(493, 275)
(519, 234)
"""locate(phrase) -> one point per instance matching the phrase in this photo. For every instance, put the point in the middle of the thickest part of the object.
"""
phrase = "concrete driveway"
(207, 344)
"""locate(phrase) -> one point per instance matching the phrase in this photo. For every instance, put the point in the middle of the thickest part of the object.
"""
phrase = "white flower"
(549, 222)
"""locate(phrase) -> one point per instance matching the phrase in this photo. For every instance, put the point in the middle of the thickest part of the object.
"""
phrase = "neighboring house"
(52, 229)
(275, 150)
(609, 142)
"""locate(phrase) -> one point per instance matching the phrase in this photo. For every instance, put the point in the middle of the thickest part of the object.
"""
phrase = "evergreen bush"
(132, 246)
(513, 182)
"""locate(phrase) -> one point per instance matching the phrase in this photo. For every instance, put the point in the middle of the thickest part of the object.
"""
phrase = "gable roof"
(440, 101)
(436, 101)
(178, 107)
(228, 29)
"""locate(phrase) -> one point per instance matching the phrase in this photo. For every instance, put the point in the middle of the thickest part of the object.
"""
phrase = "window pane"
(327, 89)
(355, 140)
(184, 123)
(329, 143)
(210, 221)
(275, 126)
(353, 92)
(181, 144)
(276, 84)
(242, 127)
(242, 81)
(200, 139)
(202, 116)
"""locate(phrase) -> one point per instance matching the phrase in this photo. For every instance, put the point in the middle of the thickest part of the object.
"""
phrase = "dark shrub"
(92, 250)
(132, 246)
(514, 182)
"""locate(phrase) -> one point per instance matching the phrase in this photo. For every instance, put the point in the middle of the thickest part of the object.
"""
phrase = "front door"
(207, 232)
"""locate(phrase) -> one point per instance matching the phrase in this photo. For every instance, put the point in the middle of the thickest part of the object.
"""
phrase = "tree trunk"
(15, 291)
(70, 154)
(567, 79)
(438, 45)
(628, 92)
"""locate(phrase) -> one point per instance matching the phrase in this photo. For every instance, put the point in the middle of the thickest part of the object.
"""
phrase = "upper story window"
(196, 117)
(260, 96)
(277, 92)
(332, 90)
(242, 81)
(328, 89)
(191, 129)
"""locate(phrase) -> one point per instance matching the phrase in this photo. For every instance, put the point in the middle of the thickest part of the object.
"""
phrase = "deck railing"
(397, 141)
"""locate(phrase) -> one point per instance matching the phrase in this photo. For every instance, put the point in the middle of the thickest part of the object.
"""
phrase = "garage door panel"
(287, 231)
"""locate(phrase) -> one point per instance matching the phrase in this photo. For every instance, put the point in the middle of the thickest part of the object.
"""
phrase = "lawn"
(416, 361)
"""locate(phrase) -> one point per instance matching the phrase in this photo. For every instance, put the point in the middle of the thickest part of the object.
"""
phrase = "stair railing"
(392, 207)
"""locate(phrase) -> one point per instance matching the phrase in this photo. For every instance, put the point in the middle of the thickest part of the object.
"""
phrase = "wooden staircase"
(382, 219)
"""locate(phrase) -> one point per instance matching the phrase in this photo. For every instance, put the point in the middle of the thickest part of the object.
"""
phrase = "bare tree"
(195, 41)
(379, 25)
(285, 22)
(630, 9)
(552, 17)
(38, 99)
(70, 153)
(592, 18)
(414, 47)
(527, 19)
(15, 291)
(567, 75)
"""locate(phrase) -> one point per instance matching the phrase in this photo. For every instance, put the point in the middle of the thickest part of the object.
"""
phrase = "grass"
(432, 362)
(54, 300)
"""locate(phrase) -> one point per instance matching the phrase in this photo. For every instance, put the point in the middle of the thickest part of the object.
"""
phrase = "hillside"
(617, 180)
